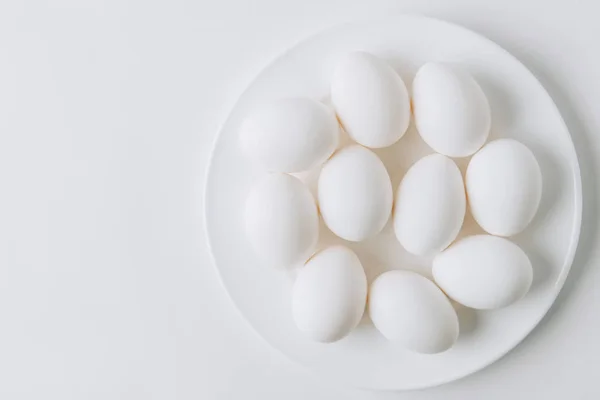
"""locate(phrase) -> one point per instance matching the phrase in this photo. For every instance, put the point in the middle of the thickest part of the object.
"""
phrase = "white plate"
(521, 109)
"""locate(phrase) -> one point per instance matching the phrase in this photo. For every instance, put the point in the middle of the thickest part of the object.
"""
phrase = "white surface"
(108, 110)
(364, 359)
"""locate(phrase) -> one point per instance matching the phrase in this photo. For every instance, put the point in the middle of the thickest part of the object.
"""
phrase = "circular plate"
(521, 109)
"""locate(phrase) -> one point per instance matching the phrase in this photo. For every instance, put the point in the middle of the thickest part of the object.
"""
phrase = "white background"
(108, 110)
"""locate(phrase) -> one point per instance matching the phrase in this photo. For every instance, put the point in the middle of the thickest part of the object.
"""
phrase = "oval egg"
(483, 272)
(370, 100)
(412, 311)
(452, 113)
(282, 222)
(504, 185)
(290, 135)
(355, 194)
(430, 205)
(329, 294)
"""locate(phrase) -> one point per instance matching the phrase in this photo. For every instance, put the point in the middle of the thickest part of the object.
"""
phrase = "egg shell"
(282, 222)
(483, 272)
(370, 99)
(452, 113)
(410, 310)
(290, 135)
(430, 205)
(504, 185)
(329, 294)
(355, 194)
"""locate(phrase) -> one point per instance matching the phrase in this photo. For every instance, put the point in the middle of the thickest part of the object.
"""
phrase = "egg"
(329, 294)
(430, 205)
(504, 185)
(370, 100)
(355, 194)
(282, 222)
(452, 113)
(410, 310)
(483, 272)
(290, 135)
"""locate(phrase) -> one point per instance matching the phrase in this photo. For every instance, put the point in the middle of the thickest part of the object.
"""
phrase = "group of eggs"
(355, 199)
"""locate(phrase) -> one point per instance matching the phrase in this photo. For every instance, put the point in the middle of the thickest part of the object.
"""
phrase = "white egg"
(483, 272)
(329, 294)
(430, 205)
(282, 221)
(290, 135)
(451, 111)
(355, 194)
(504, 185)
(412, 311)
(370, 100)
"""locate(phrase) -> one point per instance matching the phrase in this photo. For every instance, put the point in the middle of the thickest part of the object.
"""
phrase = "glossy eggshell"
(282, 222)
(290, 135)
(430, 205)
(452, 113)
(410, 310)
(504, 185)
(483, 272)
(370, 99)
(329, 294)
(355, 194)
